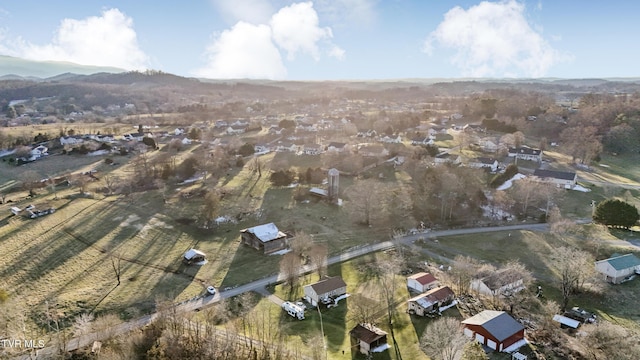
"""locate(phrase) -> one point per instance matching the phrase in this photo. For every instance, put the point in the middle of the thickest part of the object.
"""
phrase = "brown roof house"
(496, 330)
(431, 301)
(421, 282)
(325, 291)
(367, 339)
(266, 238)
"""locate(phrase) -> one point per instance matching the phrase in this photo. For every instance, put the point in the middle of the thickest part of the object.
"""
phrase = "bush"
(282, 178)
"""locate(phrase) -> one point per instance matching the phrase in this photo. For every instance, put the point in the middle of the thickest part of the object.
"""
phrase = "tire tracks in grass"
(165, 269)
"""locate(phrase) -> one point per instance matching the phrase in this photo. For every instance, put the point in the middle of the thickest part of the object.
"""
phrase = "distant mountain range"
(16, 68)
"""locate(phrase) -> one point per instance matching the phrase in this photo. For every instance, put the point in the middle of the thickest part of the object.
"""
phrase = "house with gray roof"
(618, 268)
(495, 330)
(325, 290)
(525, 153)
(566, 179)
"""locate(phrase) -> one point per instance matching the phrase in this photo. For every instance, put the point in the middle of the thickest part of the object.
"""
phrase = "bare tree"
(368, 200)
(256, 165)
(111, 182)
(387, 270)
(574, 267)
(462, 271)
(443, 339)
(290, 269)
(318, 258)
(526, 191)
(115, 264)
(473, 351)
(30, 181)
(301, 243)
(605, 340)
(210, 208)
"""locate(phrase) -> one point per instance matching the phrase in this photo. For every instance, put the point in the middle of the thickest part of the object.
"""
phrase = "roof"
(500, 278)
(318, 191)
(485, 160)
(525, 150)
(423, 278)
(433, 296)
(623, 262)
(336, 144)
(191, 253)
(266, 232)
(566, 321)
(564, 175)
(497, 323)
(328, 285)
(367, 333)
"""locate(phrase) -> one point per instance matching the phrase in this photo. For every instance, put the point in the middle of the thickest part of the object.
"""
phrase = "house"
(236, 129)
(266, 238)
(437, 129)
(284, 146)
(431, 301)
(367, 134)
(494, 329)
(422, 141)
(617, 268)
(390, 139)
(367, 339)
(488, 145)
(373, 151)
(446, 158)
(193, 256)
(526, 153)
(180, 131)
(565, 179)
(220, 124)
(421, 282)
(484, 163)
(276, 130)
(261, 148)
(474, 128)
(186, 141)
(325, 290)
(498, 283)
(71, 140)
(312, 149)
(336, 147)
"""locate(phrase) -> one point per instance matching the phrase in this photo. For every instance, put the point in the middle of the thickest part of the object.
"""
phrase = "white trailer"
(293, 310)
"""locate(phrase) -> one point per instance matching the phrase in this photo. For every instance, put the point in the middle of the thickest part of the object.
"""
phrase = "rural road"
(202, 302)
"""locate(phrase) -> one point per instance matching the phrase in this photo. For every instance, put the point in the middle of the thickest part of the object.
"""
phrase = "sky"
(332, 39)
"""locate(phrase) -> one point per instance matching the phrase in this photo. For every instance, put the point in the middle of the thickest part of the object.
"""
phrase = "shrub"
(508, 173)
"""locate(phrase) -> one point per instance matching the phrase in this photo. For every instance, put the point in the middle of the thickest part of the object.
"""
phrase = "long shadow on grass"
(248, 265)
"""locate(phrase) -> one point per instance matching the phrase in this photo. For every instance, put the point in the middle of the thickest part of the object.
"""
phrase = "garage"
(492, 344)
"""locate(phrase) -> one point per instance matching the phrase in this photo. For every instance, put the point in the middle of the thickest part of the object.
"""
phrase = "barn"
(494, 329)
(266, 238)
(421, 282)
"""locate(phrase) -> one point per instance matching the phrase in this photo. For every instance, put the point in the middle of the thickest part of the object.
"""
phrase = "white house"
(431, 301)
(422, 141)
(616, 269)
(421, 282)
(526, 153)
(484, 163)
(323, 291)
(236, 129)
(39, 151)
(336, 147)
(71, 140)
(312, 149)
(446, 158)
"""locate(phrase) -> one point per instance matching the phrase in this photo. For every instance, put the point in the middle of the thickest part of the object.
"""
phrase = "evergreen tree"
(616, 213)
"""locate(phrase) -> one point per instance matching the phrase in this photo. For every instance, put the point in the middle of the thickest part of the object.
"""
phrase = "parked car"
(211, 290)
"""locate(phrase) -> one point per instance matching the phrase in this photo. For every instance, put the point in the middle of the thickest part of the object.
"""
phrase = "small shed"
(421, 282)
(325, 290)
(193, 256)
(566, 322)
(366, 339)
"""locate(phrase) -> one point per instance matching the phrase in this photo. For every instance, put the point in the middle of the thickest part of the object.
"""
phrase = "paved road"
(202, 302)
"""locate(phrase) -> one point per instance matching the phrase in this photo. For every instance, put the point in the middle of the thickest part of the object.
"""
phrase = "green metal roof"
(624, 261)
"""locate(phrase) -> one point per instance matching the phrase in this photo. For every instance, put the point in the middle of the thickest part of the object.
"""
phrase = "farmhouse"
(421, 282)
(193, 256)
(558, 178)
(526, 153)
(431, 301)
(266, 238)
(498, 283)
(366, 339)
(325, 290)
(494, 329)
(617, 268)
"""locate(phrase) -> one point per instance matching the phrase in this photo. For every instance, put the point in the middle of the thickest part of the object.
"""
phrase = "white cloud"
(295, 29)
(254, 50)
(359, 12)
(251, 11)
(106, 40)
(337, 52)
(244, 51)
(494, 39)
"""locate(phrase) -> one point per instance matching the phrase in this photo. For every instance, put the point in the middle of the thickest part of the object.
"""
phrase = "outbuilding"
(421, 282)
(193, 256)
(266, 238)
(618, 268)
(494, 329)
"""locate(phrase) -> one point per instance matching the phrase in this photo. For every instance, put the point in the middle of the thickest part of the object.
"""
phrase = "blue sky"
(331, 39)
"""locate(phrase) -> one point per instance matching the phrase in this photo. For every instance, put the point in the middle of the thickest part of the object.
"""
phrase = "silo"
(334, 180)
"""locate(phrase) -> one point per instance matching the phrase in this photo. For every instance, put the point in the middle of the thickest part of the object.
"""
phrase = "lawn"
(364, 290)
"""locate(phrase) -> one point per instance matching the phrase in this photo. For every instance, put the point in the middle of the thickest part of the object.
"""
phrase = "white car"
(211, 290)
